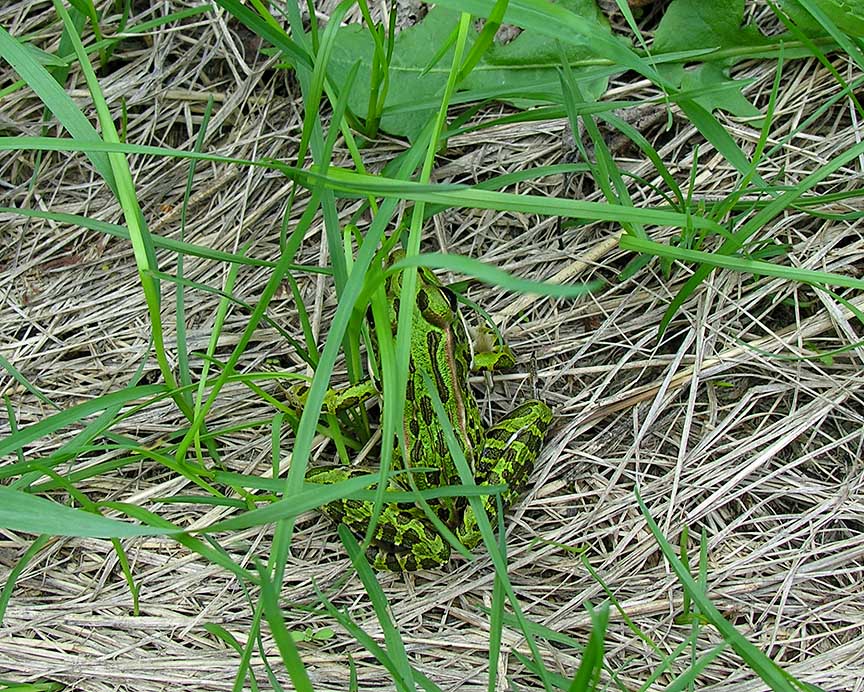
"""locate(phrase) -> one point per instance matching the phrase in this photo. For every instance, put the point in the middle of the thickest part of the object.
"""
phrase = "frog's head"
(436, 304)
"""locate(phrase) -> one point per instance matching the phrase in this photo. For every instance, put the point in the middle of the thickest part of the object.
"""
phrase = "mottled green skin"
(405, 539)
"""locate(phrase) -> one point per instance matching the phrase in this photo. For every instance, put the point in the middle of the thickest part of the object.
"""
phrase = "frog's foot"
(489, 354)
(507, 457)
(404, 539)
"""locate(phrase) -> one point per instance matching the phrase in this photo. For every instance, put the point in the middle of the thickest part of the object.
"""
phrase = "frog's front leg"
(510, 449)
(336, 400)
(404, 539)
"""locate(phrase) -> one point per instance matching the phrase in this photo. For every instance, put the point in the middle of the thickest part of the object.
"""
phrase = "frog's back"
(440, 349)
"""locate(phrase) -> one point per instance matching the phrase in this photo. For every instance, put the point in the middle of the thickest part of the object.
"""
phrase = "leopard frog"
(405, 538)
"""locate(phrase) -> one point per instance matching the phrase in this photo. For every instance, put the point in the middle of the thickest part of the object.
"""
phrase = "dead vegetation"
(730, 423)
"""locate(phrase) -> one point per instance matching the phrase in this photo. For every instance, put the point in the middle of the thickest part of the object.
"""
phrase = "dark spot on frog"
(425, 406)
(422, 301)
(442, 445)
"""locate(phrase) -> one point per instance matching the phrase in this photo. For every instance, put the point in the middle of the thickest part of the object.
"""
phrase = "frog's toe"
(469, 533)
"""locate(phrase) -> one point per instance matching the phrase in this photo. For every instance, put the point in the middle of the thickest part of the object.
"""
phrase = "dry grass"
(726, 424)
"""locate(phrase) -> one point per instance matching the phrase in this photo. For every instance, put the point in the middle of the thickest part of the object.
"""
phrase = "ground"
(742, 421)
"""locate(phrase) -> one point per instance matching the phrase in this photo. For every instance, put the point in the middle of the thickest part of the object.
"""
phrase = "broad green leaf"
(690, 24)
(715, 89)
(521, 65)
(531, 59)
(846, 14)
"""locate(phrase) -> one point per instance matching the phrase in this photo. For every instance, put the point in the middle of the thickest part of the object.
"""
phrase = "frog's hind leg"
(508, 455)
(404, 539)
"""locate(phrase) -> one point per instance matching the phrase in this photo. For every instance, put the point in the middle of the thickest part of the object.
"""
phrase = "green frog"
(405, 539)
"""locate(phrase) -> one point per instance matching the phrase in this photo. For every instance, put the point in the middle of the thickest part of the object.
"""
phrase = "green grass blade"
(588, 674)
(770, 673)
(312, 95)
(284, 641)
(711, 129)
(452, 195)
(20, 511)
(56, 100)
(757, 221)
(710, 260)
(76, 413)
(494, 276)
(372, 646)
(485, 528)
(606, 173)
(846, 44)
(270, 31)
(196, 545)
(32, 551)
(392, 639)
(24, 382)
(179, 300)
(161, 242)
(484, 39)
(310, 496)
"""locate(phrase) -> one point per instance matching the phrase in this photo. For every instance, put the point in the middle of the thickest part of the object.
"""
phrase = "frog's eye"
(451, 298)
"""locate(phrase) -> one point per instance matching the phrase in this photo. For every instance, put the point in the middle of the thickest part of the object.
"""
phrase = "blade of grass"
(267, 28)
(142, 246)
(284, 641)
(56, 99)
(494, 276)
(212, 344)
(394, 353)
(587, 675)
(472, 197)
(76, 413)
(179, 300)
(844, 41)
(312, 94)
(32, 551)
(401, 667)
(452, 195)
(20, 511)
(357, 633)
(158, 241)
(467, 477)
(484, 39)
(321, 152)
(756, 222)
(709, 260)
(770, 673)
(196, 545)
(605, 174)
(24, 382)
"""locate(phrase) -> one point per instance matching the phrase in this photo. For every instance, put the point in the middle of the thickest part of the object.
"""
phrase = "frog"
(441, 356)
